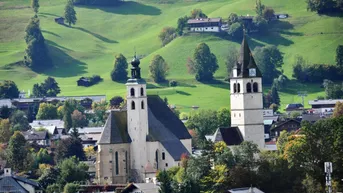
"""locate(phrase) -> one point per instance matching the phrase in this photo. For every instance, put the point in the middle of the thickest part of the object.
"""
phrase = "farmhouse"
(140, 139)
(84, 82)
(205, 24)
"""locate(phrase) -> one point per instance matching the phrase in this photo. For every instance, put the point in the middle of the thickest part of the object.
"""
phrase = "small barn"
(59, 20)
(84, 82)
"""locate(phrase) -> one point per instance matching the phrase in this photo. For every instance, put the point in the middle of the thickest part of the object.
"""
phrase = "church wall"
(165, 163)
(106, 163)
(188, 144)
(254, 133)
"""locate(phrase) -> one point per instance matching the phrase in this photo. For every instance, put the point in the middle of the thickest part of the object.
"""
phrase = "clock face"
(252, 72)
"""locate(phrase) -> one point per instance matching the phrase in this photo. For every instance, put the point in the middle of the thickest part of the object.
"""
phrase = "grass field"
(100, 33)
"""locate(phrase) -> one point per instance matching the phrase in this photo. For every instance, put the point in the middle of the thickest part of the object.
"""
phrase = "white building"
(140, 139)
(246, 103)
(324, 106)
(205, 24)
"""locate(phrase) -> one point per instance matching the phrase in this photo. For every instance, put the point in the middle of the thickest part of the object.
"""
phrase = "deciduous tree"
(72, 170)
(47, 111)
(8, 89)
(49, 88)
(197, 13)
(71, 188)
(205, 63)
(165, 180)
(16, 151)
(231, 59)
(236, 30)
(268, 13)
(69, 13)
(119, 73)
(224, 117)
(167, 34)
(5, 131)
(69, 147)
(19, 121)
(259, 7)
(158, 69)
(78, 119)
(116, 101)
(338, 110)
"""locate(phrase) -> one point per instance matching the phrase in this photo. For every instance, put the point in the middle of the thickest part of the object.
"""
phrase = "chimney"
(7, 172)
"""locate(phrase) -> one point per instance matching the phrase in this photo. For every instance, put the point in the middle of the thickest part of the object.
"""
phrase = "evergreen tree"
(36, 53)
(275, 95)
(35, 5)
(69, 13)
(339, 55)
(8, 90)
(158, 69)
(16, 151)
(119, 73)
(205, 63)
(67, 111)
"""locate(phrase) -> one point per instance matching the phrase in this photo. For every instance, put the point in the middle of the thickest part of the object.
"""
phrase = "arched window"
(248, 87)
(117, 164)
(255, 87)
(142, 105)
(238, 87)
(156, 158)
(126, 163)
(132, 92)
(133, 105)
(142, 91)
(234, 87)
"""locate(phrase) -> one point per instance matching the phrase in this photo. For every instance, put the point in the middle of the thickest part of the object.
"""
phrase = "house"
(59, 20)
(141, 188)
(312, 118)
(287, 125)
(294, 107)
(143, 137)
(245, 190)
(267, 126)
(13, 183)
(205, 24)
(89, 135)
(83, 81)
(40, 137)
(324, 107)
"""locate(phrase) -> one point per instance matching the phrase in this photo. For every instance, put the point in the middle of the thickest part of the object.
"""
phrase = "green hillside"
(89, 47)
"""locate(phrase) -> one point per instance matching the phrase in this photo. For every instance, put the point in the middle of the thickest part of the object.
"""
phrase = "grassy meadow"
(100, 33)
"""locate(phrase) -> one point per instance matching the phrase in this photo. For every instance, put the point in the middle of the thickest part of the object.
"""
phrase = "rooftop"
(204, 20)
(325, 102)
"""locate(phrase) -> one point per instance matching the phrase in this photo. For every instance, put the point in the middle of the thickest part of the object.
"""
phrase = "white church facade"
(246, 99)
(141, 138)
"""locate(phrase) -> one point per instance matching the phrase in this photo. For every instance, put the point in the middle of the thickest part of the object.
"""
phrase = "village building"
(324, 107)
(13, 183)
(142, 188)
(288, 125)
(204, 24)
(25, 103)
(39, 137)
(141, 138)
(247, 122)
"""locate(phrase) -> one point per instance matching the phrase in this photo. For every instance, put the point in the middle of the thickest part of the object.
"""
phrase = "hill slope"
(89, 47)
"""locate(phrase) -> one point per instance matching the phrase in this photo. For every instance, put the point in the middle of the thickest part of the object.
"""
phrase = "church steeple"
(135, 69)
(246, 61)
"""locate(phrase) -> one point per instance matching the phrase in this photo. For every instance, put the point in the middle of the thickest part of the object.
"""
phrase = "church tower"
(246, 97)
(137, 119)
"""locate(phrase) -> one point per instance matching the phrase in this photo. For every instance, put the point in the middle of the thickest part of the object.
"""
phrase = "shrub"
(236, 30)
(167, 35)
(173, 83)
(183, 116)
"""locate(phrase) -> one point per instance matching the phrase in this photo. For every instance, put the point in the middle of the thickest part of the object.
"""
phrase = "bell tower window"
(132, 92)
(248, 87)
(255, 87)
(238, 87)
(133, 107)
(234, 87)
(142, 105)
(142, 91)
